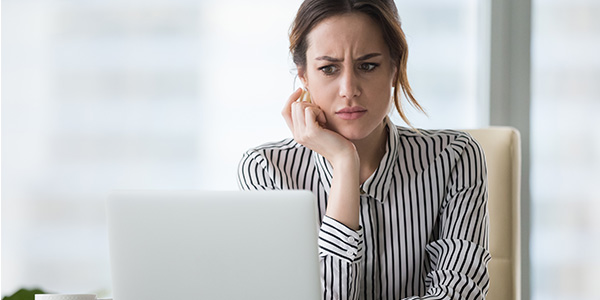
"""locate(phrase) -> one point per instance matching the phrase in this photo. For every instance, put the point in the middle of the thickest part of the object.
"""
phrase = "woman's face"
(349, 74)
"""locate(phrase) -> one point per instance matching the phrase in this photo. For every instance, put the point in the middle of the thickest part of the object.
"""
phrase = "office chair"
(502, 148)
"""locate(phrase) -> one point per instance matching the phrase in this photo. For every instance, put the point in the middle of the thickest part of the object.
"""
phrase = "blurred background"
(100, 95)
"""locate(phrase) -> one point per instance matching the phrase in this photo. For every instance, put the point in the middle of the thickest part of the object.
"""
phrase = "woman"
(403, 212)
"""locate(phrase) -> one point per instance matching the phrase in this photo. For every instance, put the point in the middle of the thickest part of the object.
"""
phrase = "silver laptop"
(213, 245)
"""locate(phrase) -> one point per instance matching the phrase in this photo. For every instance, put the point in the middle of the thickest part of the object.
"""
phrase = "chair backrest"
(502, 147)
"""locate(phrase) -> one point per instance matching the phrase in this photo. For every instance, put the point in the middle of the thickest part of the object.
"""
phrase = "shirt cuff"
(339, 240)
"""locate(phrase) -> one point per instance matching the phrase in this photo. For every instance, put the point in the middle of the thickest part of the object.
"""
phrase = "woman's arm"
(306, 121)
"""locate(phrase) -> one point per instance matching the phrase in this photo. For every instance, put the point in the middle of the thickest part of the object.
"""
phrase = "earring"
(305, 96)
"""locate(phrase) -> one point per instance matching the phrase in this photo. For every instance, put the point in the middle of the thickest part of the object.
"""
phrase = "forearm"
(344, 198)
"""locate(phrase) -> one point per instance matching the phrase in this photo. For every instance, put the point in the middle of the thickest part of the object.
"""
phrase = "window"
(565, 148)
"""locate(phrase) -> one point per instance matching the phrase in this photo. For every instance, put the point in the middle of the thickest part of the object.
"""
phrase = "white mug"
(65, 297)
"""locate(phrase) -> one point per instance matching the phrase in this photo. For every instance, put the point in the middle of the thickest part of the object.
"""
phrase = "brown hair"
(383, 12)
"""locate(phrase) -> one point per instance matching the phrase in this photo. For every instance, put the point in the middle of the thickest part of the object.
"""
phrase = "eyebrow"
(333, 59)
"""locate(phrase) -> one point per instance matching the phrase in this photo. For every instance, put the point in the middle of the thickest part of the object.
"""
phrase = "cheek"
(381, 89)
(381, 95)
(321, 90)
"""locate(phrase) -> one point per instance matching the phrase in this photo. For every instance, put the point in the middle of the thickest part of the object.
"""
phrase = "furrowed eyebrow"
(333, 59)
(370, 55)
(329, 58)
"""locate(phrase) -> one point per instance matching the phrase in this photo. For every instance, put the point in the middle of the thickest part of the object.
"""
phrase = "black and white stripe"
(423, 216)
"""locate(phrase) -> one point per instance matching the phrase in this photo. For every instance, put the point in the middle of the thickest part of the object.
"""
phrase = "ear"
(302, 76)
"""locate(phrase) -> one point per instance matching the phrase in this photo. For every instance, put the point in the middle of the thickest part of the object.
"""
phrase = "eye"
(368, 67)
(328, 70)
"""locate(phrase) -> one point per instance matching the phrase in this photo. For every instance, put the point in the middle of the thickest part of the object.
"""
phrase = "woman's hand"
(308, 125)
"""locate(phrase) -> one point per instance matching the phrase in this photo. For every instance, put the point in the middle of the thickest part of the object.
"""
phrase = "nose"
(349, 84)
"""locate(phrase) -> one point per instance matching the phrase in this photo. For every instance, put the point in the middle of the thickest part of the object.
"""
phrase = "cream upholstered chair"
(502, 149)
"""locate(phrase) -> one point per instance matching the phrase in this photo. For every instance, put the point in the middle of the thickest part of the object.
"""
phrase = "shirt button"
(351, 240)
(350, 252)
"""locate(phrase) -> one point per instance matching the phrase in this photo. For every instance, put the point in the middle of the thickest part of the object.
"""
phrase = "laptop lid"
(213, 245)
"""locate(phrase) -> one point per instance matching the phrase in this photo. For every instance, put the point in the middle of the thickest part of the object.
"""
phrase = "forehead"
(353, 34)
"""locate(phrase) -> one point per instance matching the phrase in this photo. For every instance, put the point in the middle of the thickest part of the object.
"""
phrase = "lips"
(351, 113)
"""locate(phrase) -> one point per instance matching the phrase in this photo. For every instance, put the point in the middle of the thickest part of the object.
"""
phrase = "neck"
(371, 150)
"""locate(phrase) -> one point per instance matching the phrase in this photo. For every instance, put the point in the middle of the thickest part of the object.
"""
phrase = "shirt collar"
(377, 186)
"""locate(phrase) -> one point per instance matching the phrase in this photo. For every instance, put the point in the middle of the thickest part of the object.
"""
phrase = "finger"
(317, 114)
(311, 117)
(321, 118)
(287, 108)
(298, 118)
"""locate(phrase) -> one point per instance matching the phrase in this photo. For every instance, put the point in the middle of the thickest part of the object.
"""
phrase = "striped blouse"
(423, 216)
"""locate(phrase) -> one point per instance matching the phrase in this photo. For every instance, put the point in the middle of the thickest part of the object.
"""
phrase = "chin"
(357, 132)
(354, 135)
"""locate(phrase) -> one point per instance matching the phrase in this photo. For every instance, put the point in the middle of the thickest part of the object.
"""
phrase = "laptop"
(213, 245)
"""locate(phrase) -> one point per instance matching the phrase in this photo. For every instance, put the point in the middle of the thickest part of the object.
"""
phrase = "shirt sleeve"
(341, 252)
(458, 259)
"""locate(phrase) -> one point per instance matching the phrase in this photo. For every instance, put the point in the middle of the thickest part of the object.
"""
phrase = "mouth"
(351, 113)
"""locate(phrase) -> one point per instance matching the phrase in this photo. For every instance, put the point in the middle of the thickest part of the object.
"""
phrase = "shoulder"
(454, 142)
(271, 165)
(275, 152)
(277, 147)
(449, 135)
